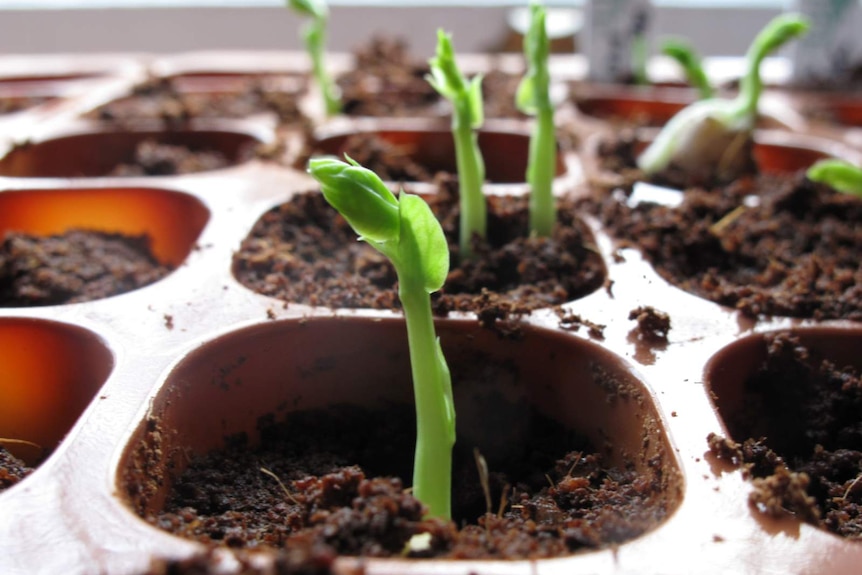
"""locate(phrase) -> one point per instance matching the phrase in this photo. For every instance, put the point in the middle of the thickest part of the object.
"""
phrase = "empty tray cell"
(793, 400)
(72, 245)
(417, 155)
(132, 153)
(303, 398)
(51, 372)
(177, 99)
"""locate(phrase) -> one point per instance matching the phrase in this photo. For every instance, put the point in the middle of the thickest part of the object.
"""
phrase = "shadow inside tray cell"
(71, 245)
(51, 372)
(342, 386)
(431, 151)
(129, 153)
(650, 108)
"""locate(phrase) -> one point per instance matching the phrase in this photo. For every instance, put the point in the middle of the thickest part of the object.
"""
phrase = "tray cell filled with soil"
(304, 252)
(325, 400)
(419, 154)
(51, 372)
(176, 100)
(129, 153)
(790, 402)
(73, 245)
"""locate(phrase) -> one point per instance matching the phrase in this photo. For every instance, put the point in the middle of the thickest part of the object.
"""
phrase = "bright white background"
(716, 27)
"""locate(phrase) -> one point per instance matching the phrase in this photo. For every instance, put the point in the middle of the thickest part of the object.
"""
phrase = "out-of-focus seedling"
(405, 230)
(692, 66)
(467, 117)
(840, 175)
(314, 35)
(706, 134)
(533, 98)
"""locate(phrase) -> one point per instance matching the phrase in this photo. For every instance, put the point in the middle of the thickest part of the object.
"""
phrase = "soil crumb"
(12, 470)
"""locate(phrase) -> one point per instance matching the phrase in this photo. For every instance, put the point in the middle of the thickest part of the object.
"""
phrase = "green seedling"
(840, 175)
(314, 35)
(467, 117)
(405, 230)
(701, 133)
(692, 66)
(533, 98)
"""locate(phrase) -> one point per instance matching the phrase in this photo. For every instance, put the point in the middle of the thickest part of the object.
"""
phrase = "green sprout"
(692, 66)
(840, 175)
(314, 35)
(700, 133)
(405, 230)
(533, 98)
(467, 117)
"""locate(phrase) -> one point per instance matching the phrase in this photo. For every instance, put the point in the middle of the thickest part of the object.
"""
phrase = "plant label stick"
(617, 38)
(833, 48)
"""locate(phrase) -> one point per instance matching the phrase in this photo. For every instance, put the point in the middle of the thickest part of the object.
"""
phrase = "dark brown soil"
(162, 99)
(73, 267)
(551, 494)
(156, 159)
(304, 252)
(12, 470)
(766, 245)
(388, 81)
(801, 438)
(653, 325)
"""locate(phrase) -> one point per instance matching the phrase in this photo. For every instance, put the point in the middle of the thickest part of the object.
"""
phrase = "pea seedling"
(700, 134)
(840, 175)
(314, 35)
(692, 66)
(467, 116)
(405, 230)
(533, 98)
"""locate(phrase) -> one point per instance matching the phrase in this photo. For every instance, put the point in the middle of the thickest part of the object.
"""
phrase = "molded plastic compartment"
(648, 107)
(505, 153)
(96, 154)
(280, 367)
(172, 220)
(51, 372)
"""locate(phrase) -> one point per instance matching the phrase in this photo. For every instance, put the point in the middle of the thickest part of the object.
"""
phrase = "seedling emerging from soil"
(405, 230)
(467, 116)
(534, 98)
(692, 66)
(314, 35)
(707, 133)
(842, 176)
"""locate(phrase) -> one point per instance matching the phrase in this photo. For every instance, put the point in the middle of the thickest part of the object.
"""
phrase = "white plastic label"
(613, 29)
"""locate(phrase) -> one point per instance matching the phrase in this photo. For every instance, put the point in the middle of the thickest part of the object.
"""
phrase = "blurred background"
(715, 27)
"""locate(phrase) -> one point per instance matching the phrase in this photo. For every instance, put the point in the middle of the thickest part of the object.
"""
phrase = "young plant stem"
(432, 463)
(314, 36)
(471, 174)
(467, 117)
(406, 231)
(691, 65)
(533, 98)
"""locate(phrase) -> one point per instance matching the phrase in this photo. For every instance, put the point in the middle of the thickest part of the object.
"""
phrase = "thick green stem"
(471, 175)
(540, 176)
(432, 466)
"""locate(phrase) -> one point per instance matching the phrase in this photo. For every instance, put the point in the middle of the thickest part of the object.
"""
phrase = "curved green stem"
(691, 65)
(779, 31)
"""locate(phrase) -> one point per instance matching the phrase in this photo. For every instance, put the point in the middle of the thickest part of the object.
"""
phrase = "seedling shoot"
(405, 230)
(314, 35)
(840, 175)
(533, 98)
(700, 134)
(692, 66)
(467, 116)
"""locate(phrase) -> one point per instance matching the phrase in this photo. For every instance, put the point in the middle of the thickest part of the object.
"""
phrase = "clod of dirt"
(653, 325)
